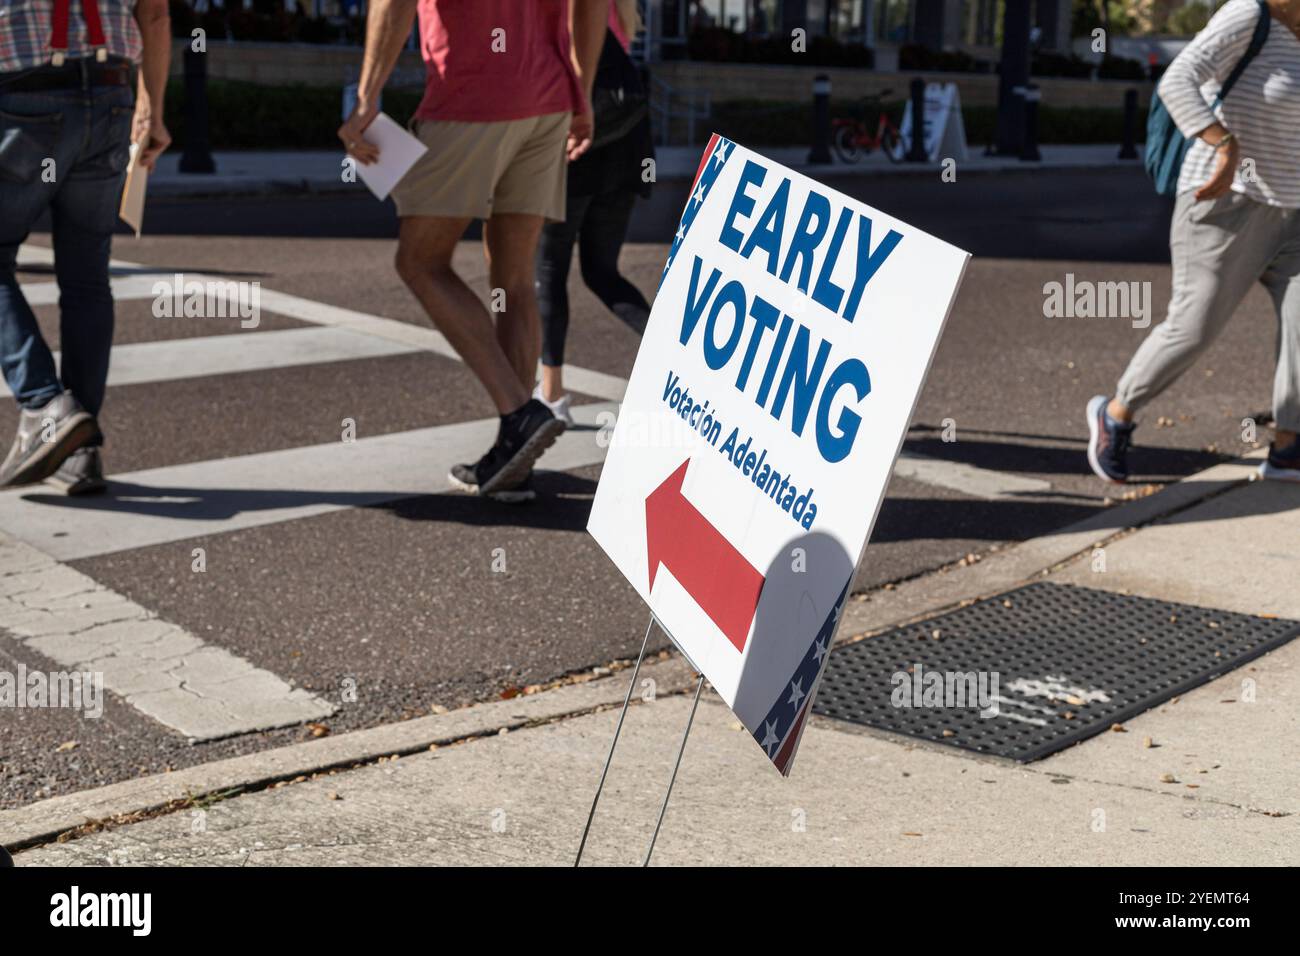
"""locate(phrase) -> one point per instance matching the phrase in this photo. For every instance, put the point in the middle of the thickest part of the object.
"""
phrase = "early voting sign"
(789, 340)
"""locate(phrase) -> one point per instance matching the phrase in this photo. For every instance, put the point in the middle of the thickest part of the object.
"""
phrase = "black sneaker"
(82, 473)
(46, 436)
(524, 434)
(465, 477)
(1108, 442)
(1282, 464)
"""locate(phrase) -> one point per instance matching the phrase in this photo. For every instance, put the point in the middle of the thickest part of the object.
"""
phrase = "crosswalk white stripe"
(172, 359)
(163, 505)
(124, 288)
(586, 381)
(141, 285)
(200, 690)
(33, 255)
(968, 479)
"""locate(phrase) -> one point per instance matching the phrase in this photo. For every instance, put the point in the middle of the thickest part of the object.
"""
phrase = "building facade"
(936, 24)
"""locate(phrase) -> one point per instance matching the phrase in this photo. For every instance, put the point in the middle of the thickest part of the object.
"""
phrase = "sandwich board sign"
(790, 337)
(944, 136)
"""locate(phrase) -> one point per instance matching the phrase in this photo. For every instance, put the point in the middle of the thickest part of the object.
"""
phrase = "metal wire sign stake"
(609, 757)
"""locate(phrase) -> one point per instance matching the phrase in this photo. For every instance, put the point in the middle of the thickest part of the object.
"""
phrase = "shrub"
(249, 116)
(758, 123)
(914, 57)
(1121, 68)
(720, 45)
(1056, 64)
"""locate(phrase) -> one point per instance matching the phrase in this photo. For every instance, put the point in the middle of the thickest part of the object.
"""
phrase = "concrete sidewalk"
(321, 171)
(510, 782)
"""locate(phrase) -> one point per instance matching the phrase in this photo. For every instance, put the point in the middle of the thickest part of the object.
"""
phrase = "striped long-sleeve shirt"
(25, 27)
(1262, 110)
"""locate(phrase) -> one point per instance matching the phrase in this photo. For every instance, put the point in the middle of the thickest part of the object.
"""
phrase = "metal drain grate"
(1068, 662)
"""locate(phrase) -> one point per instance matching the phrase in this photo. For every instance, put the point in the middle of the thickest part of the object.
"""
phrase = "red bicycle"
(853, 138)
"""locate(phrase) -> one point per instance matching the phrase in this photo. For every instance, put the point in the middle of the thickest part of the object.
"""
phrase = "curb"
(47, 820)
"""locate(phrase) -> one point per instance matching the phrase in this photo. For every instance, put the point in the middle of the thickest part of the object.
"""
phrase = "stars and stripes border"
(712, 161)
(780, 730)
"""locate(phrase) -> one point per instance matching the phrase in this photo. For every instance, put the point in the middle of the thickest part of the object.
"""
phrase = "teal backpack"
(1166, 146)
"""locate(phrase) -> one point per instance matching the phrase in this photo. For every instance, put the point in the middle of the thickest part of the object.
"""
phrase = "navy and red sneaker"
(1108, 442)
(1282, 464)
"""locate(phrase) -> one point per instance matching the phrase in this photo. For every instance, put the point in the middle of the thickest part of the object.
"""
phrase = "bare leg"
(510, 246)
(552, 382)
(424, 248)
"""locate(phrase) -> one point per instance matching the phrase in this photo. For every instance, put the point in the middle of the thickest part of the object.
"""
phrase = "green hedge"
(720, 45)
(766, 124)
(249, 116)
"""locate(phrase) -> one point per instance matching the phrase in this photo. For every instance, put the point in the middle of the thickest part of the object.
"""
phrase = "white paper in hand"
(131, 209)
(398, 151)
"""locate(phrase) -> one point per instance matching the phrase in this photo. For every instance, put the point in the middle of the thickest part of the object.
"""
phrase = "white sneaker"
(559, 408)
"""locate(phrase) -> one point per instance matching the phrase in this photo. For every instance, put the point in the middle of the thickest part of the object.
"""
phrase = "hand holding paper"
(131, 209)
(398, 152)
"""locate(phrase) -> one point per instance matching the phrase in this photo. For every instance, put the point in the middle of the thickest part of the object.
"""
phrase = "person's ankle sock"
(513, 421)
(1114, 422)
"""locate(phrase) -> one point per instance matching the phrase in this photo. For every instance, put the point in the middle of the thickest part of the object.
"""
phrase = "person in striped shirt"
(69, 110)
(1236, 221)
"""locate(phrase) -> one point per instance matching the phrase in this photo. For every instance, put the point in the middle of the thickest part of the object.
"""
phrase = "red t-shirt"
(493, 60)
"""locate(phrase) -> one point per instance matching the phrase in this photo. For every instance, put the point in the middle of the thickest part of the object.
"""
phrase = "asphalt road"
(401, 598)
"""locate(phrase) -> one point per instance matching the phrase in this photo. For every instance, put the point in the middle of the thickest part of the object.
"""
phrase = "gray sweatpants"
(1219, 247)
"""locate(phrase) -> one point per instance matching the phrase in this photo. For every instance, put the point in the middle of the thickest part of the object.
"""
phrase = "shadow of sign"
(794, 625)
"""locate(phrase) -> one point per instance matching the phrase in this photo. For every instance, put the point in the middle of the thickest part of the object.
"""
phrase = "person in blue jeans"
(69, 110)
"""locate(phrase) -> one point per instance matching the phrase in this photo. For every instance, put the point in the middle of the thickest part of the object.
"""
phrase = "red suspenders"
(59, 33)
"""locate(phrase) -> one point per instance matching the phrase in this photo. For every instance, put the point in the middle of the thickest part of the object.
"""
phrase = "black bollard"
(821, 145)
(1031, 94)
(197, 157)
(1128, 148)
(916, 153)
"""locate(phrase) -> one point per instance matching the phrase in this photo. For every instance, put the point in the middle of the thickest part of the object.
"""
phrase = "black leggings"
(598, 224)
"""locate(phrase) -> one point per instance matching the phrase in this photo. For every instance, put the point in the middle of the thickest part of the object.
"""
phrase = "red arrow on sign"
(713, 572)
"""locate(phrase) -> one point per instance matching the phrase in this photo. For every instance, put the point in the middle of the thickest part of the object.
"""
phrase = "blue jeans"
(64, 151)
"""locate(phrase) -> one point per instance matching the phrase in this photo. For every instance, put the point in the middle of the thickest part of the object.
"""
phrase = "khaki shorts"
(477, 169)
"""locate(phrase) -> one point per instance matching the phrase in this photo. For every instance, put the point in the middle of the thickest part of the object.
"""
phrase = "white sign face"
(787, 346)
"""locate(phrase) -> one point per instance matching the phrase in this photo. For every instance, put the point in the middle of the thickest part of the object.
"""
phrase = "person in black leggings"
(602, 189)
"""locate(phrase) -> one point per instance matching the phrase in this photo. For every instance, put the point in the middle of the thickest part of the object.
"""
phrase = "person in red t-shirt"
(506, 99)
